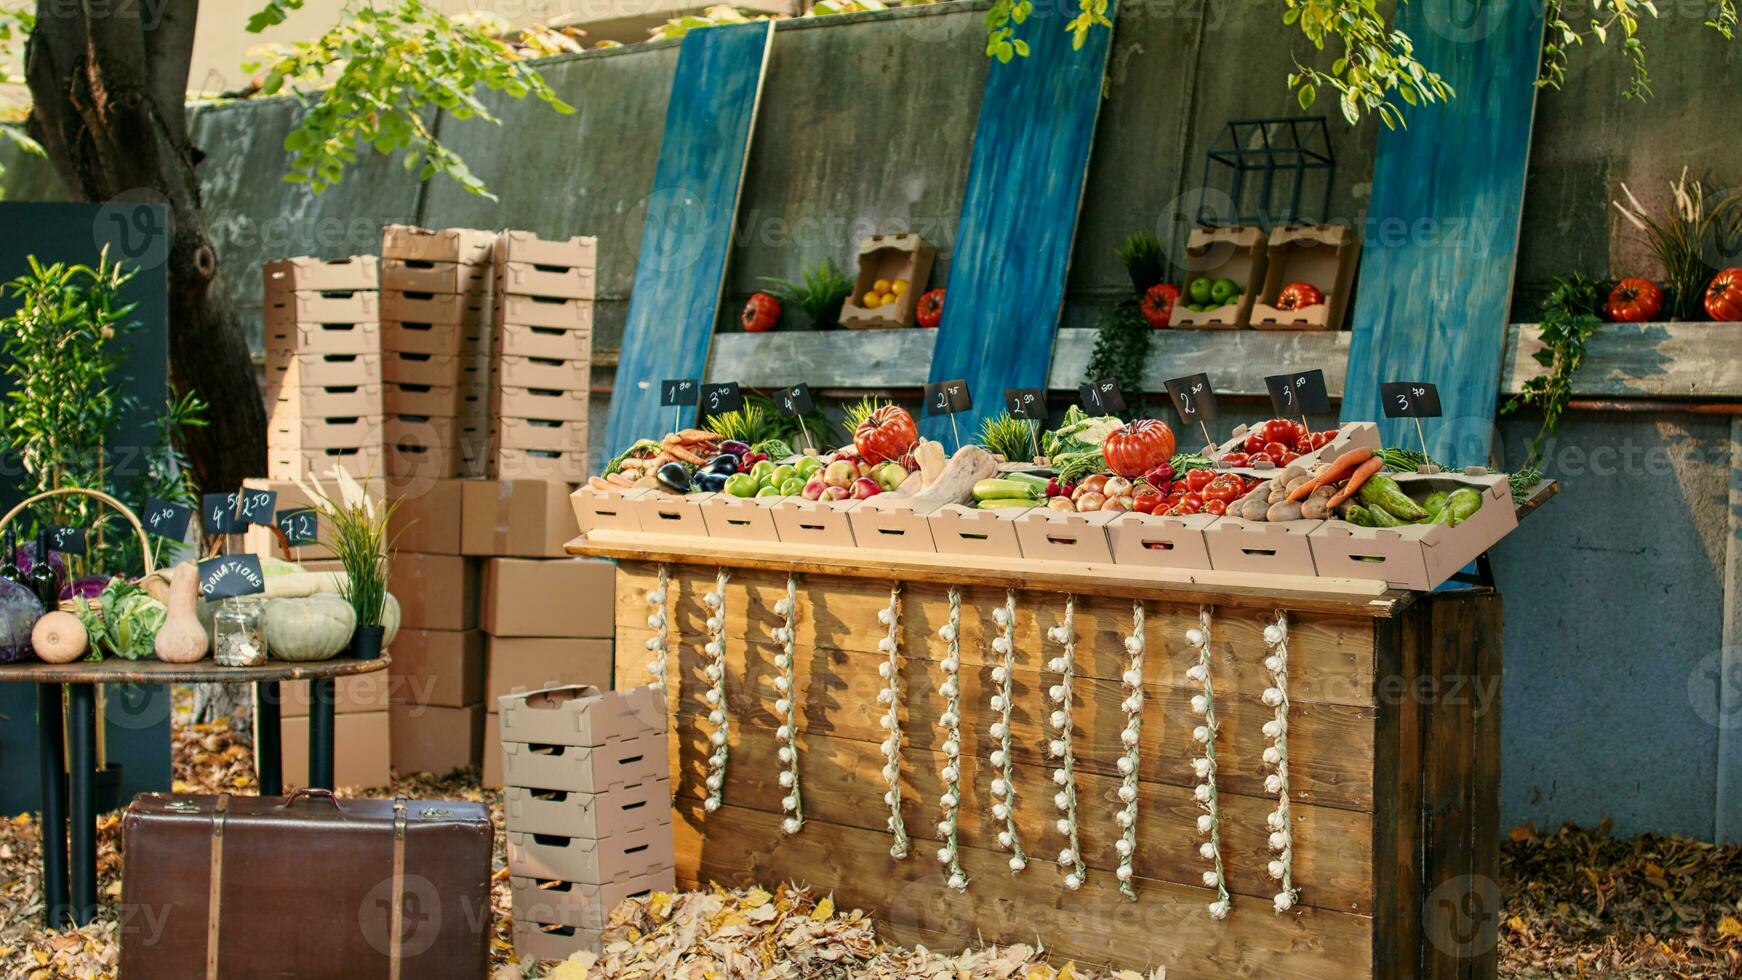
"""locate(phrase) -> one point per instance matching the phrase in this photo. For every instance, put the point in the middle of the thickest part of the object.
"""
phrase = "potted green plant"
(820, 291)
(360, 541)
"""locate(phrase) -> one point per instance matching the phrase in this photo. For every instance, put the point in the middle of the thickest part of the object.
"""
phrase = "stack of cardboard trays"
(587, 808)
(323, 383)
(435, 338)
(542, 347)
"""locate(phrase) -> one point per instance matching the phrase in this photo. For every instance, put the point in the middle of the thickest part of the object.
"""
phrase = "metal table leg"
(54, 803)
(82, 809)
(320, 733)
(268, 751)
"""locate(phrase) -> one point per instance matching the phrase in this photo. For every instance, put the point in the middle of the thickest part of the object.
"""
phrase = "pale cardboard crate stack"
(587, 809)
(436, 299)
(541, 373)
(323, 366)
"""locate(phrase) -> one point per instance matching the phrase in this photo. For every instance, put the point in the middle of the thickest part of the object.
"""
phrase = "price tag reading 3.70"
(1409, 400)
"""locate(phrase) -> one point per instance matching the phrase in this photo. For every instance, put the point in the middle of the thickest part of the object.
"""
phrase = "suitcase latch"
(181, 806)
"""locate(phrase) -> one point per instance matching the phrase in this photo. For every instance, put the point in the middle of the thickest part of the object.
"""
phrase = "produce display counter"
(1222, 772)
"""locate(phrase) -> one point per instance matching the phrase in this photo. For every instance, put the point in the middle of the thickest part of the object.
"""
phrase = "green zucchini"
(1000, 503)
(990, 489)
(1037, 484)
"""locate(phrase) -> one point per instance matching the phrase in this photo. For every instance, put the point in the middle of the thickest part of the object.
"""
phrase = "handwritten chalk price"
(794, 400)
(677, 391)
(723, 396)
(166, 519)
(1299, 393)
(948, 397)
(1409, 400)
(256, 505)
(66, 540)
(301, 525)
(1101, 397)
(1025, 403)
(220, 514)
(229, 576)
(1193, 398)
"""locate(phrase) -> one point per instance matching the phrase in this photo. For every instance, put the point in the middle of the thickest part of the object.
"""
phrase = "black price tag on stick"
(301, 525)
(1193, 399)
(229, 576)
(66, 540)
(794, 400)
(1025, 403)
(680, 392)
(947, 397)
(166, 519)
(220, 514)
(1409, 400)
(721, 397)
(1300, 393)
(1102, 397)
(257, 505)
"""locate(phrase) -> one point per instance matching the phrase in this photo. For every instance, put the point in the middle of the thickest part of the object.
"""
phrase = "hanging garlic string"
(715, 695)
(1133, 705)
(1276, 756)
(1209, 822)
(659, 622)
(1065, 776)
(951, 722)
(1004, 767)
(786, 706)
(890, 671)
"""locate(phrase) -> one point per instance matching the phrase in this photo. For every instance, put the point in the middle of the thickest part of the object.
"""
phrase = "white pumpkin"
(315, 627)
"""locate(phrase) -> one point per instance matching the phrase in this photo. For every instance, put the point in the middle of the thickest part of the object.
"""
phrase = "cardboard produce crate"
(427, 430)
(433, 739)
(539, 464)
(584, 907)
(1262, 547)
(1160, 542)
(324, 338)
(434, 338)
(520, 664)
(515, 340)
(423, 307)
(544, 941)
(584, 716)
(520, 402)
(550, 435)
(892, 257)
(443, 668)
(343, 432)
(323, 402)
(960, 529)
(424, 276)
(427, 518)
(569, 597)
(408, 460)
(516, 518)
(435, 592)
(593, 816)
(740, 518)
(354, 306)
(1223, 253)
(306, 274)
(1323, 255)
(435, 370)
(465, 245)
(363, 462)
(553, 312)
(659, 512)
(894, 525)
(1418, 556)
(1350, 435)
(609, 509)
(542, 372)
(557, 282)
(286, 371)
(580, 768)
(799, 522)
(361, 742)
(359, 692)
(578, 251)
(1062, 535)
(466, 400)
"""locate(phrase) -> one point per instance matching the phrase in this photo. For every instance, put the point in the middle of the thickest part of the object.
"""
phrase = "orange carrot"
(1362, 474)
(1341, 467)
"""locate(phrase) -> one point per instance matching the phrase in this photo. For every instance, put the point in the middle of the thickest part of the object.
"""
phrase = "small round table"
(74, 814)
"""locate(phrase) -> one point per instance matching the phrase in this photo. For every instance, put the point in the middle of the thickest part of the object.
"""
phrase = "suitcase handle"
(313, 793)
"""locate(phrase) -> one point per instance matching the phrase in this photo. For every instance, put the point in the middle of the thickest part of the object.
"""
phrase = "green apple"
(741, 485)
(783, 474)
(770, 492)
(1223, 291)
(807, 466)
(891, 475)
(792, 487)
(1199, 289)
(763, 471)
(840, 473)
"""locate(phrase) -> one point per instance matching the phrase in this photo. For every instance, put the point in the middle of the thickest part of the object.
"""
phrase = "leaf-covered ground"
(1579, 903)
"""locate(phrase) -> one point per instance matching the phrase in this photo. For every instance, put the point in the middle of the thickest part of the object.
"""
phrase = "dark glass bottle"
(43, 580)
(9, 565)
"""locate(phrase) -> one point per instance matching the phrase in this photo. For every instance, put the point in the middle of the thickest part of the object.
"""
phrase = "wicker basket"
(71, 605)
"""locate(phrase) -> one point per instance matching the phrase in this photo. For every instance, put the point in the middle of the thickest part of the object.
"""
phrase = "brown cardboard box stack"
(435, 338)
(360, 731)
(543, 348)
(587, 808)
(546, 622)
(323, 366)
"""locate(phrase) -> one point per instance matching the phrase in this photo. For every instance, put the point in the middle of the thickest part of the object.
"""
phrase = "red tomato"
(1198, 479)
(1146, 501)
(1280, 430)
(1234, 459)
(1254, 443)
(1216, 507)
(1157, 307)
(1287, 458)
(761, 313)
(1299, 295)
(1634, 300)
(1186, 506)
(1193, 500)
(1275, 449)
(887, 433)
(1138, 447)
(1724, 296)
(930, 311)
(1320, 440)
(1226, 488)
(1259, 457)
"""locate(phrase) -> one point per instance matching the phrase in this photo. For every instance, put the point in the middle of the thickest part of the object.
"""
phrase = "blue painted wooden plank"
(1019, 215)
(681, 268)
(1435, 282)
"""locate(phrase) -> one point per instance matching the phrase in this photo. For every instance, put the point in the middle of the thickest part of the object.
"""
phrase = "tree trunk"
(108, 91)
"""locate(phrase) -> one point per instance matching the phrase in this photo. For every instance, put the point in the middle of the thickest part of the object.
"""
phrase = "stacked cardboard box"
(588, 810)
(546, 622)
(543, 348)
(323, 366)
(360, 731)
(435, 338)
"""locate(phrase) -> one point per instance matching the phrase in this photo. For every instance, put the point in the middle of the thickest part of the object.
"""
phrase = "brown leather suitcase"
(307, 886)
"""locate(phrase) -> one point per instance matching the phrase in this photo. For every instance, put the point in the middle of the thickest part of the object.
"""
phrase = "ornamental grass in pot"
(361, 543)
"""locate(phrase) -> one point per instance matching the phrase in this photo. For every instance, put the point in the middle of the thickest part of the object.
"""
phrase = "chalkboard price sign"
(723, 396)
(257, 505)
(166, 519)
(1193, 398)
(1102, 397)
(794, 400)
(1409, 400)
(1025, 403)
(1299, 393)
(220, 514)
(66, 540)
(677, 391)
(301, 525)
(229, 576)
(948, 397)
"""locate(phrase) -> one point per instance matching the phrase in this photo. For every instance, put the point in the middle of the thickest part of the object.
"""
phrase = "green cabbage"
(127, 624)
(777, 449)
(1080, 431)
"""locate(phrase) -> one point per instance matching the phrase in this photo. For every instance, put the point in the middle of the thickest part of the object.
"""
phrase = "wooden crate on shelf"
(1376, 739)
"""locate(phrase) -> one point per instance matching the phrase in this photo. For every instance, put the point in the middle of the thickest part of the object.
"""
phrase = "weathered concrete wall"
(1613, 621)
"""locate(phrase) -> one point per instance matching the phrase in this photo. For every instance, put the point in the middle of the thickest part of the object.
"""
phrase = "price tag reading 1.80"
(680, 392)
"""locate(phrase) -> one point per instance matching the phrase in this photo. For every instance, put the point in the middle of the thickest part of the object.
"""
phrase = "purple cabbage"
(19, 611)
(84, 587)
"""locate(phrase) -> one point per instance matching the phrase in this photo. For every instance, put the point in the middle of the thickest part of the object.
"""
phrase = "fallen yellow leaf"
(1729, 927)
(824, 909)
(755, 898)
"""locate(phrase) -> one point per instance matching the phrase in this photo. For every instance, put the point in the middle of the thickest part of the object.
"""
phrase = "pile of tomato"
(1200, 491)
(1278, 442)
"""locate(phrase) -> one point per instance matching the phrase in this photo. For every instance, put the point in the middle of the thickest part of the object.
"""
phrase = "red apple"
(865, 487)
(840, 473)
(836, 493)
(814, 489)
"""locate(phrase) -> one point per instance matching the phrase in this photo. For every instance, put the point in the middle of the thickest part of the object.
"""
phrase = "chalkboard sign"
(219, 514)
(166, 519)
(1102, 397)
(1025, 403)
(794, 400)
(723, 396)
(948, 397)
(300, 525)
(228, 576)
(1299, 393)
(1409, 400)
(1193, 398)
(257, 505)
(66, 540)
(677, 391)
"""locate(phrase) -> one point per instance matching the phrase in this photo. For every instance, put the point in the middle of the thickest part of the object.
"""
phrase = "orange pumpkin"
(888, 433)
(1137, 447)
(1724, 296)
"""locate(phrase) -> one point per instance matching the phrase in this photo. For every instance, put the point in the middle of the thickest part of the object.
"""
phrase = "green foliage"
(787, 428)
(750, 424)
(1122, 339)
(359, 540)
(858, 412)
(1376, 62)
(373, 78)
(1684, 236)
(1009, 437)
(1617, 20)
(1144, 259)
(1002, 19)
(1569, 318)
(63, 349)
(820, 291)
(15, 27)
(679, 26)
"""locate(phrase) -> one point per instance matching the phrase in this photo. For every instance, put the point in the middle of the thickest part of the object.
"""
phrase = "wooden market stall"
(1377, 708)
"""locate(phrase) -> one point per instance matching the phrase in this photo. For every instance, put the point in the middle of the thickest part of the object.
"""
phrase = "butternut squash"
(182, 640)
(955, 482)
(59, 638)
